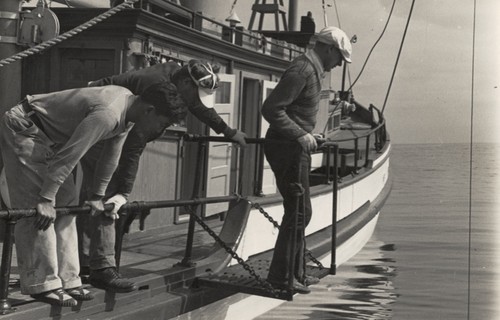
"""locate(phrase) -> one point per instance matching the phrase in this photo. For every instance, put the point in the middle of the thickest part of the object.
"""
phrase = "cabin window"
(334, 122)
(223, 93)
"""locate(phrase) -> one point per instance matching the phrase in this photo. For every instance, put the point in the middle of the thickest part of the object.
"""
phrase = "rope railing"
(71, 33)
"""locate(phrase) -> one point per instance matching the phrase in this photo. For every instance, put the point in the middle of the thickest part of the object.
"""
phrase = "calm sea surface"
(422, 262)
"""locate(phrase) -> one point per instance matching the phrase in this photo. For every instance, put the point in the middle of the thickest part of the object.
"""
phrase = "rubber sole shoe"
(110, 280)
(297, 286)
(310, 280)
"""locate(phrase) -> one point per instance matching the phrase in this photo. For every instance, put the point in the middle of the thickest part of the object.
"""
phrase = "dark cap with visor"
(206, 79)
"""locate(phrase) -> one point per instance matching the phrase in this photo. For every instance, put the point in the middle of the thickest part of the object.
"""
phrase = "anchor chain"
(266, 285)
(264, 213)
(308, 253)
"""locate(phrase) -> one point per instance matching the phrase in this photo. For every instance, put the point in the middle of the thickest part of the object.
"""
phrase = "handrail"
(18, 213)
(196, 137)
(223, 25)
(12, 215)
(371, 131)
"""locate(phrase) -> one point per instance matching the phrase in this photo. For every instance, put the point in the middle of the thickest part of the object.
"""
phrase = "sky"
(435, 96)
(431, 99)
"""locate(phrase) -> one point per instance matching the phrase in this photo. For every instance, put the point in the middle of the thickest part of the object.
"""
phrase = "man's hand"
(95, 204)
(239, 137)
(308, 142)
(118, 201)
(45, 214)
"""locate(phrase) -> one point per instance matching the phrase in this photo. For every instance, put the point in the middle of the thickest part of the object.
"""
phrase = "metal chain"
(308, 253)
(264, 213)
(266, 285)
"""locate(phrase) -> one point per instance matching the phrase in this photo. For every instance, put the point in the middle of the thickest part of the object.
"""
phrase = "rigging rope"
(374, 45)
(399, 55)
(49, 43)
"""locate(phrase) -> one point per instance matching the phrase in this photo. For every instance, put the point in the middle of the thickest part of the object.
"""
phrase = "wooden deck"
(149, 259)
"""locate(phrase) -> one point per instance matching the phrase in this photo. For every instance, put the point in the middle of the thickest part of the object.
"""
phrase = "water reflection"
(362, 289)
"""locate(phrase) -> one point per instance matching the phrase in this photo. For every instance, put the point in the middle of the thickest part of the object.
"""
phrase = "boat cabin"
(160, 31)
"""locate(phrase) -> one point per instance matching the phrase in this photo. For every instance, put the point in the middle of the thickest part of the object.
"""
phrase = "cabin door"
(268, 179)
(220, 153)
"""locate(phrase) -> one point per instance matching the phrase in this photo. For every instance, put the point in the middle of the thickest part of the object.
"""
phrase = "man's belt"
(28, 110)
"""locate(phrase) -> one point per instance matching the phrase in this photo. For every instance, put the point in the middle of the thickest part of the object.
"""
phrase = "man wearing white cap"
(291, 111)
(196, 83)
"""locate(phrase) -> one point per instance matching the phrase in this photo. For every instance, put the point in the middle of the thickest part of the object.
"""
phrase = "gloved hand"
(118, 200)
(307, 142)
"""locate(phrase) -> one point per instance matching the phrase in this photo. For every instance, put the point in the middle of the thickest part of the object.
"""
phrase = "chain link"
(308, 253)
(264, 213)
(266, 285)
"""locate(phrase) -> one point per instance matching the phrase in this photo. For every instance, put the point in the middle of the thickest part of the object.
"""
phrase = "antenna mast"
(324, 14)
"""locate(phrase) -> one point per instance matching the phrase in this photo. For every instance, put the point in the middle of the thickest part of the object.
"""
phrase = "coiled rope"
(49, 43)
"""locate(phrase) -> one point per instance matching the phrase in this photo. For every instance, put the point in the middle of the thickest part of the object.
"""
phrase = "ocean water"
(435, 251)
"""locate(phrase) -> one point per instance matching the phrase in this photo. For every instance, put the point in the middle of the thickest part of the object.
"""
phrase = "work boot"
(110, 280)
(310, 280)
(283, 285)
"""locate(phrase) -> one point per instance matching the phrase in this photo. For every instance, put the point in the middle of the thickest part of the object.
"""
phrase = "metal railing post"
(5, 306)
(186, 261)
(333, 263)
(367, 151)
(328, 159)
(356, 154)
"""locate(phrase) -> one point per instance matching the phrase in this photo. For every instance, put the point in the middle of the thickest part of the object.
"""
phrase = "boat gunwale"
(327, 188)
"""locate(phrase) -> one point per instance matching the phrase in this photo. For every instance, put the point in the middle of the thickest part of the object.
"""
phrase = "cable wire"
(399, 55)
(374, 45)
(470, 158)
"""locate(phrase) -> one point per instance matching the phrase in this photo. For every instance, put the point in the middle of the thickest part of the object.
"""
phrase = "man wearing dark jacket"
(196, 83)
(291, 111)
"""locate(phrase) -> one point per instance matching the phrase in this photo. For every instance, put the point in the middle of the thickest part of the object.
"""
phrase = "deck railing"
(236, 35)
(329, 148)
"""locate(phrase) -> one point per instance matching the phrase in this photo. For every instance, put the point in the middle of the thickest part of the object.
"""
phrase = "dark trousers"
(284, 159)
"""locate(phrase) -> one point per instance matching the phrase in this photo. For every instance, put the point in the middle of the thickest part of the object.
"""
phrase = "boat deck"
(148, 258)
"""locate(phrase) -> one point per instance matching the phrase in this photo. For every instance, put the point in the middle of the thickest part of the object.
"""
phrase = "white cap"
(337, 37)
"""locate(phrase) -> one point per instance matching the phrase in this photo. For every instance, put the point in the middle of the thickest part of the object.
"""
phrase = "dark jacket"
(292, 106)
(137, 81)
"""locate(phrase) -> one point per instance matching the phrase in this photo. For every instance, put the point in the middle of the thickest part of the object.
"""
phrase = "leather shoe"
(110, 280)
(310, 280)
(297, 286)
